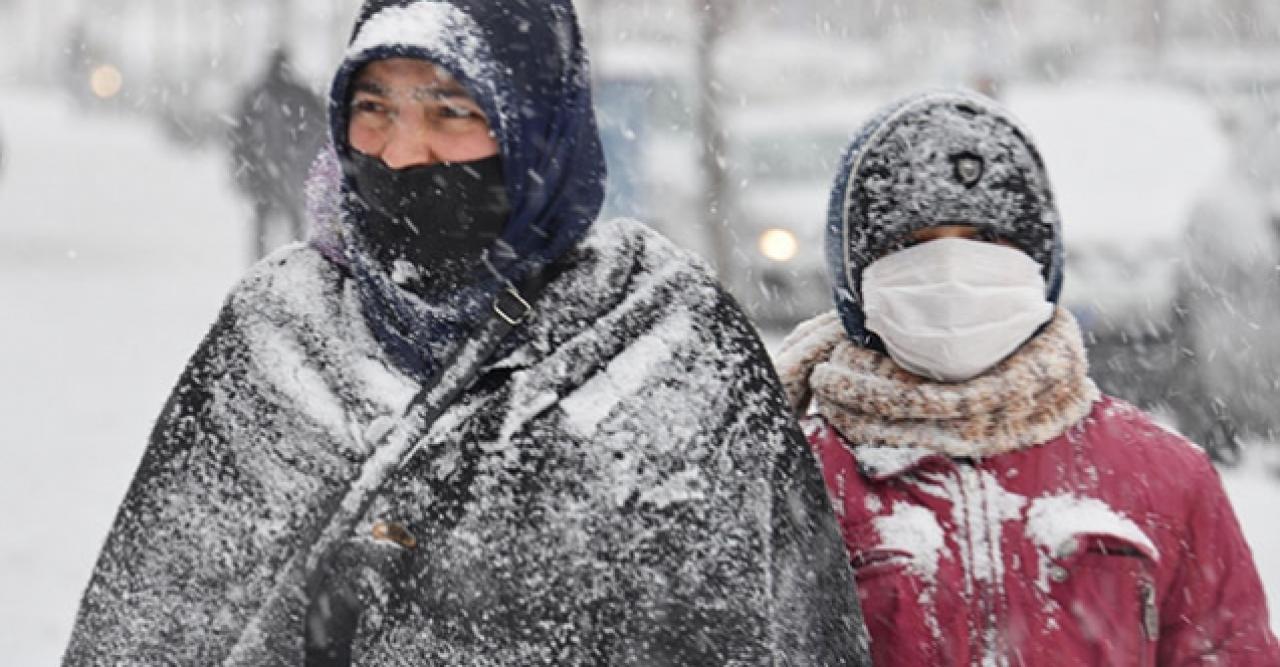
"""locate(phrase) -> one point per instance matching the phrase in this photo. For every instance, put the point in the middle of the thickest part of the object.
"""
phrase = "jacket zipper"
(1150, 616)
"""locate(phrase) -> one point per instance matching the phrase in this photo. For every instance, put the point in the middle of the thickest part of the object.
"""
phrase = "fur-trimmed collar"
(1035, 395)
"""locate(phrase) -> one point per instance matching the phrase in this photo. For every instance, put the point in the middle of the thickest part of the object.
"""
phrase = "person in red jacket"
(998, 510)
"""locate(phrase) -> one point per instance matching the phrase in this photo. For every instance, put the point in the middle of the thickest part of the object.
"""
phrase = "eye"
(450, 111)
(458, 118)
(455, 111)
(368, 106)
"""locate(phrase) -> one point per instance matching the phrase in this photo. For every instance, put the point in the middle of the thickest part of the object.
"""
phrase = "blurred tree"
(992, 47)
(714, 19)
(283, 22)
(1156, 19)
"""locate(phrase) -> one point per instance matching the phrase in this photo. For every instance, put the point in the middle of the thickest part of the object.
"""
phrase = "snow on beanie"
(937, 159)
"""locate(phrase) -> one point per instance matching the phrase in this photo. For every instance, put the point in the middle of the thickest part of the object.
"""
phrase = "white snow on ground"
(115, 253)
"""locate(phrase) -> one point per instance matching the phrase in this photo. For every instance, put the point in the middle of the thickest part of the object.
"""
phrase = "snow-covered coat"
(1022, 518)
(621, 485)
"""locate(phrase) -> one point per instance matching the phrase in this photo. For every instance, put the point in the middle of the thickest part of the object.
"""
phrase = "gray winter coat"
(620, 485)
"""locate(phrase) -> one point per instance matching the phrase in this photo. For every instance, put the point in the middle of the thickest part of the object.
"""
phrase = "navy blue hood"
(933, 159)
(524, 63)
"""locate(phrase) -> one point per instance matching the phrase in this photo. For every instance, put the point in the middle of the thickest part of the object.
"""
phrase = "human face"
(408, 113)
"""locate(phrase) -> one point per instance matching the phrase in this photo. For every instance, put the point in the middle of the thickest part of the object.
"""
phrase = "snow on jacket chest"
(1067, 553)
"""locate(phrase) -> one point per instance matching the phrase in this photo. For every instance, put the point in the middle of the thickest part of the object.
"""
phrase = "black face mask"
(439, 217)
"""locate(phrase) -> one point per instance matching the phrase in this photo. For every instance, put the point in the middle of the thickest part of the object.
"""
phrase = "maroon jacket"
(1113, 544)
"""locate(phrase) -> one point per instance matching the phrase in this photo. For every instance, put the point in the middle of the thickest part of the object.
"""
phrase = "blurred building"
(182, 60)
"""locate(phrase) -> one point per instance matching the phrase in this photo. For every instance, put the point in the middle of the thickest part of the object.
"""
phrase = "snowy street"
(115, 252)
(116, 249)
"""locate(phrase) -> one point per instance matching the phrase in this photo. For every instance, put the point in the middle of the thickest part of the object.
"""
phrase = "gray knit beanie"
(935, 159)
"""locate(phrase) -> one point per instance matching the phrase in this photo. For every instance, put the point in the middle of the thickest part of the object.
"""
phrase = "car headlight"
(106, 81)
(779, 245)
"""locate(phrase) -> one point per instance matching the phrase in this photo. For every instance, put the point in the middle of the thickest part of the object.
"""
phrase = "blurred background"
(151, 150)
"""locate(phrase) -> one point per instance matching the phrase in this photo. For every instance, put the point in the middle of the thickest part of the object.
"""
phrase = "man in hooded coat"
(471, 427)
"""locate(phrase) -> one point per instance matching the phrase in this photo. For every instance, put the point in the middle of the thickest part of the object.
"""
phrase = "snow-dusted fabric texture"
(1031, 397)
(936, 159)
(622, 485)
(1113, 543)
(524, 63)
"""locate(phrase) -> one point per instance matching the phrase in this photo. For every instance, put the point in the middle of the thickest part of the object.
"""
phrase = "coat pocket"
(899, 606)
(1104, 587)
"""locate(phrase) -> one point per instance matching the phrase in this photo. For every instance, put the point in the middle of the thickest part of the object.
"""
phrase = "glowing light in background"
(779, 245)
(106, 81)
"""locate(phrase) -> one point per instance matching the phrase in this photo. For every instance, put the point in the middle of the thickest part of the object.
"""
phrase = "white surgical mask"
(950, 309)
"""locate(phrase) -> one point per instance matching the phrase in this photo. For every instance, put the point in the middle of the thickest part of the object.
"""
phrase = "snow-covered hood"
(933, 159)
(525, 64)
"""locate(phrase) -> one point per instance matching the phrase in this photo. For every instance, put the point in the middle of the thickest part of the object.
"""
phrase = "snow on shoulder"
(285, 305)
(625, 375)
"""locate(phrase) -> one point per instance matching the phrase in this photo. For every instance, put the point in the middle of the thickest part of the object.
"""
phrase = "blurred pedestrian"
(279, 130)
(468, 424)
(996, 507)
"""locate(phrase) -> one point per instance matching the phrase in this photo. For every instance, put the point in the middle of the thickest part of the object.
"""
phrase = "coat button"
(1058, 574)
(389, 531)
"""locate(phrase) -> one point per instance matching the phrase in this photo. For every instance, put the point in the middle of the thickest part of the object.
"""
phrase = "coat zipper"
(1150, 615)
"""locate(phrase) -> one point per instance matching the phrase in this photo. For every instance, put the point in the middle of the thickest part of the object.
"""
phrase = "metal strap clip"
(515, 309)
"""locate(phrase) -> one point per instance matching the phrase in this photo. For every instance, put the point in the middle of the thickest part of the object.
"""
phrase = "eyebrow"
(371, 87)
(449, 89)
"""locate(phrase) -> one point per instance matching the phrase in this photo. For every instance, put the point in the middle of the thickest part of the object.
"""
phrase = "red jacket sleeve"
(1215, 611)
